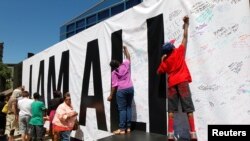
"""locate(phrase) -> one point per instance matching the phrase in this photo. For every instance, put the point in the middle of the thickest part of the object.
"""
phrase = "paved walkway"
(18, 138)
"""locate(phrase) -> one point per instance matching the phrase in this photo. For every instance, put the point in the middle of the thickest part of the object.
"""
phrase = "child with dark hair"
(122, 86)
(37, 119)
(114, 64)
(174, 65)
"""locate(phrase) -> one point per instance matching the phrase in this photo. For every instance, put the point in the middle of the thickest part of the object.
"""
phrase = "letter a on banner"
(95, 101)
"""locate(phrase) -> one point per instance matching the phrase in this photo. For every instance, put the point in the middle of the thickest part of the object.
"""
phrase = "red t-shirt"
(175, 66)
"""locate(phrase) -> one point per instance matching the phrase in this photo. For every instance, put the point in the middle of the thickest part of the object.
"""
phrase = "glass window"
(131, 3)
(117, 9)
(79, 30)
(70, 27)
(89, 25)
(80, 23)
(91, 19)
(103, 15)
(62, 37)
(70, 34)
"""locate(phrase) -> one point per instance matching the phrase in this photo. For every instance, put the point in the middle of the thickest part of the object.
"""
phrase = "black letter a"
(96, 101)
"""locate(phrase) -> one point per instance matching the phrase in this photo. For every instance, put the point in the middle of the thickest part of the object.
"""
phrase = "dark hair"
(57, 94)
(1, 132)
(67, 94)
(114, 64)
(2, 97)
(25, 94)
(36, 95)
(167, 48)
(22, 88)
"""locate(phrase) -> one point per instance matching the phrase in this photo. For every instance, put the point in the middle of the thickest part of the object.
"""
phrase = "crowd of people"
(29, 115)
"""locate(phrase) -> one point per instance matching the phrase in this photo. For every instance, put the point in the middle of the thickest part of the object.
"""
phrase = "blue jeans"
(124, 99)
(65, 135)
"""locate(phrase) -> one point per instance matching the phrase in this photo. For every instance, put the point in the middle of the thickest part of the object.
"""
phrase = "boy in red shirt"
(173, 63)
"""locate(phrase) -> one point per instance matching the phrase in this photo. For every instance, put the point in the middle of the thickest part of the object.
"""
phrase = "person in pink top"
(53, 104)
(64, 119)
(123, 86)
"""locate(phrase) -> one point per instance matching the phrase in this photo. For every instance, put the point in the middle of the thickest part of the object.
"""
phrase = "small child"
(3, 137)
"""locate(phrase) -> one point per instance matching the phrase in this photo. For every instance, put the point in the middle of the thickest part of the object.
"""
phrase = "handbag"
(76, 125)
(5, 108)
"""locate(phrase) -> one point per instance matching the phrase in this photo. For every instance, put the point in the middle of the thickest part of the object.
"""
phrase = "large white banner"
(218, 56)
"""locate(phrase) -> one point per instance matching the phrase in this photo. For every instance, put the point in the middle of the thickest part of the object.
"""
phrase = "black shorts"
(180, 92)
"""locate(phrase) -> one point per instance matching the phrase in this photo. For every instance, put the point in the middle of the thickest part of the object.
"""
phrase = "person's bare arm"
(15, 109)
(113, 90)
(126, 53)
(185, 28)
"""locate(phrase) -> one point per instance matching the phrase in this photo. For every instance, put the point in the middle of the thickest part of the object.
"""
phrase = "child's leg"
(191, 121)
(173, 100)
(170, 122)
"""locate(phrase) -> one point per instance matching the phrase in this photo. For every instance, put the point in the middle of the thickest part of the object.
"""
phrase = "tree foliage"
(5, 72)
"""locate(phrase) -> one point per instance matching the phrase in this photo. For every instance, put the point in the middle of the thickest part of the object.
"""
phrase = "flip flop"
(128, 130)
(119, 132)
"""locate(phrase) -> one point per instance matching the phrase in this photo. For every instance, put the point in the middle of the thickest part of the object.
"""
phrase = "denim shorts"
(180, 92)
(24, 126)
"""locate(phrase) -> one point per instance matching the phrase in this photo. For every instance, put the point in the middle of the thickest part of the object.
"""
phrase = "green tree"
(5, 74)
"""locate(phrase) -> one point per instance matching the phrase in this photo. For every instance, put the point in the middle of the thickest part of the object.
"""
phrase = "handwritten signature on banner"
(244, 88)
(236, 66)
(226, 31)
(212, 87)
(203, 10)
(205, 16)
(242, 41)
(200, 6)
(230, 1)
(174, 14)
(173, 30)
(247, 57)
(199, 30)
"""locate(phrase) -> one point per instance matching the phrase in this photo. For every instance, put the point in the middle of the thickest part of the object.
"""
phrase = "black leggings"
(3, 123)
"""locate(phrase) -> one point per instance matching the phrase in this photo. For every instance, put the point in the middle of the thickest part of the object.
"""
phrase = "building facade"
(1, 51)
(96, 14)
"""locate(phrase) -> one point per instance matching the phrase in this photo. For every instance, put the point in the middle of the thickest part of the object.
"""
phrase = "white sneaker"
(193, 136)
(171, 136)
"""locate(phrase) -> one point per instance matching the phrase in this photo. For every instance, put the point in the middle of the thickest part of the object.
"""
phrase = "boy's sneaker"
(171, 136)
(193, 136)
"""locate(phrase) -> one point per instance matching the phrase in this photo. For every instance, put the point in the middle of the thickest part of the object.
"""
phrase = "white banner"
(218, 56)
